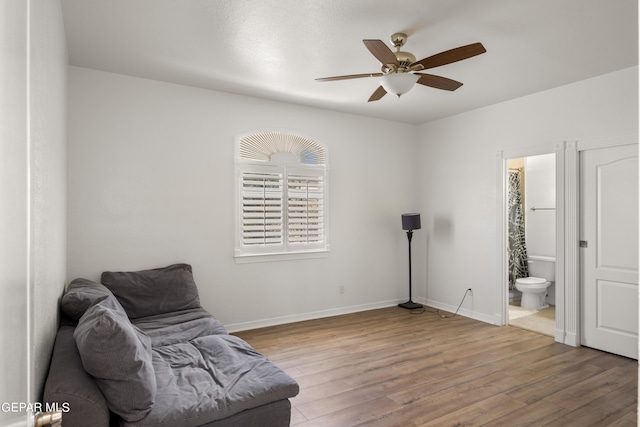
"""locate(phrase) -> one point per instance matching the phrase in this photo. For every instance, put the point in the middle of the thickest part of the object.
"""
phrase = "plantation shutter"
(281, 197)
(262, 208)
(305, 209)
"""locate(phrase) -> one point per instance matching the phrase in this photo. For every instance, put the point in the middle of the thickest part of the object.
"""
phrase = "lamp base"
(410, 305)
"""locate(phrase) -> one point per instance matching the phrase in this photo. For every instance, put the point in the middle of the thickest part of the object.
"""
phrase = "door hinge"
(584, 243)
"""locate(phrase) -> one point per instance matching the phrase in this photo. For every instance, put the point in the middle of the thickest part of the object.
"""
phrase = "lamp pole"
(409, 237)
(409, 223)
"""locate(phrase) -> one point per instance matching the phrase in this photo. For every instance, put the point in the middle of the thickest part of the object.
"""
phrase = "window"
(282, 195)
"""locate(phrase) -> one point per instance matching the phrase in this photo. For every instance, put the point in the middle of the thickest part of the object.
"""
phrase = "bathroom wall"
(540, 192)
(540, 224)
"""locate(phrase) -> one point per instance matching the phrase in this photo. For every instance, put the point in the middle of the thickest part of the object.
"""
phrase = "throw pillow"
(118, 355)
(82, 294)
(157, 291)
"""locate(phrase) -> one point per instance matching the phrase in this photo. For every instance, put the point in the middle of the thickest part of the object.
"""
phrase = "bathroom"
(532, 242)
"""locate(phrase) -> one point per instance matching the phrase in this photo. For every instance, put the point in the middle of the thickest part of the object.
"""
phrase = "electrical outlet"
(342, 289)
(470, 291)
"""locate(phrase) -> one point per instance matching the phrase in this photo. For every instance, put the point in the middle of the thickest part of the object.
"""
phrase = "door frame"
(568, 302)
(16, 224)
(557, 148)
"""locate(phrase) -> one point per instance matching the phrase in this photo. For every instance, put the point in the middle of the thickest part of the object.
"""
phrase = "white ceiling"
(275, 49)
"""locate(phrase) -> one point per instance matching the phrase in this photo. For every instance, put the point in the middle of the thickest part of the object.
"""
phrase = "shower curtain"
(518, 266)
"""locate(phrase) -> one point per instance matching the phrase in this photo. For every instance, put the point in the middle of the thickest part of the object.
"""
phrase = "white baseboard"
(486, 318)
(282, 320)
(263, 323)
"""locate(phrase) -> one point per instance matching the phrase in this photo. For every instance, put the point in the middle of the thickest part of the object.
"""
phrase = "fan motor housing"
(405, 58)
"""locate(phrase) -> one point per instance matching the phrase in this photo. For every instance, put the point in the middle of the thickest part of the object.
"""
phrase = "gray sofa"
(139, 350)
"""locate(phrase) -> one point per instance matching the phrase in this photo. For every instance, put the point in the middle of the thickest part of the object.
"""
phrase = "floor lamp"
(410, 222)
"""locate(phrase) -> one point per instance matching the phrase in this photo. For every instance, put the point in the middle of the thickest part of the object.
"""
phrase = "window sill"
(281, 256)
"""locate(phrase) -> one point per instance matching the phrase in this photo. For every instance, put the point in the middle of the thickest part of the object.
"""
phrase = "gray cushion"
(82, 294)
(118, 355)
(157, 291)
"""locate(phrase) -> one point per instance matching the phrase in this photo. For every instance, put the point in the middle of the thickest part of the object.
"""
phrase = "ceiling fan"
(400, 70)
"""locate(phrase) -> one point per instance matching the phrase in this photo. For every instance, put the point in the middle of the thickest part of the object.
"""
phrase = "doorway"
(531, 241)
(564, 324)
(569, 306)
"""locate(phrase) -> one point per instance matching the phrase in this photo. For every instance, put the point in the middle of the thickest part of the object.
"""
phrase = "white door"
(609, 262)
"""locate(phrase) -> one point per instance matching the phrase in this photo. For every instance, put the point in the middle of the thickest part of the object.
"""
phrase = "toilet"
(534, 292)
(534, 288)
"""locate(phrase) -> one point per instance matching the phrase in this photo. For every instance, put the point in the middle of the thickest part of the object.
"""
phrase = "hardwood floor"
(391, 367)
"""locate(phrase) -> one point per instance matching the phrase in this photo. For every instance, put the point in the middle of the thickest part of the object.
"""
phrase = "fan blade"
(438, 82)
(379, 93)
(450, 56)
(381, 51)
(350, 76)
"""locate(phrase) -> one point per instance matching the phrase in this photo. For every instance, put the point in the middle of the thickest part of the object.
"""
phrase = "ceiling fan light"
(399, 83)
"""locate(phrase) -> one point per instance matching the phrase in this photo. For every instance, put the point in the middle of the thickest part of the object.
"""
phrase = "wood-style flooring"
(391, 367)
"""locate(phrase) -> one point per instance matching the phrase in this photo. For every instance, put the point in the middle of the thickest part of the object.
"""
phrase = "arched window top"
(261, 146)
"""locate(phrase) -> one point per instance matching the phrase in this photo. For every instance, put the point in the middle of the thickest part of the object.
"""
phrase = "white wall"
(33, 193)
(458, 178)
(48, 177)
(151, 182)
(143, 154)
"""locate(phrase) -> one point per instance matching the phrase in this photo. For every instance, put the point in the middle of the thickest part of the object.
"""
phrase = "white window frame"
(280, 153)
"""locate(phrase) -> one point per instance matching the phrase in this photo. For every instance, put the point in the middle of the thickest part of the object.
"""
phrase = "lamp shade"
(399, 83)
(411, 221)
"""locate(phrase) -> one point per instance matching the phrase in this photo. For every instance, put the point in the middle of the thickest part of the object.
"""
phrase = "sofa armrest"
(69, 385)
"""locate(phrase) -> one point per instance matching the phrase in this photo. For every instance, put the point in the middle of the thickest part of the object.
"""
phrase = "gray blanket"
(210, 378)
(203, 374)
